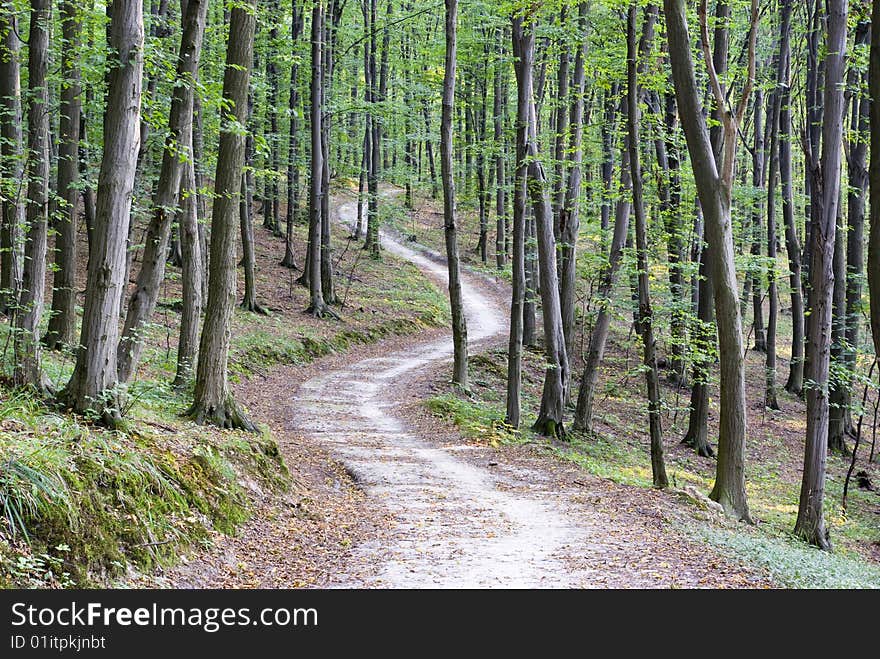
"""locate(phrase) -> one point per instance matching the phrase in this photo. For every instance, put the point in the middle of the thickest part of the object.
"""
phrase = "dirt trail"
(456, 526)
(438, 511)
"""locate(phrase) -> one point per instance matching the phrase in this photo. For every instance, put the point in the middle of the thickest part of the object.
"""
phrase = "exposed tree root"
(548, 427)
(322, 311)
(700, 445)
(227, 415)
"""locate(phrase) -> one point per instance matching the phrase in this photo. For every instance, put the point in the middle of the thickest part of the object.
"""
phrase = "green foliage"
(790, 562)
(115, 500)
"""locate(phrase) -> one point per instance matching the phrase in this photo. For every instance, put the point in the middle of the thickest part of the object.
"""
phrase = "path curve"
(457, 524)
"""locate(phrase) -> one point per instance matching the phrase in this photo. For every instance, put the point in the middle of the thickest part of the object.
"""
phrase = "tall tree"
(847, 335)
(12, 219)
(213, 401)
(874, 176)
(714, 187)
(795, 381)
(92, 386)
(28, 370)
(450, 228)
(62, 323)
(556, 374)
(569, 208)
(645, 315)
(810, 523)
(143, 299)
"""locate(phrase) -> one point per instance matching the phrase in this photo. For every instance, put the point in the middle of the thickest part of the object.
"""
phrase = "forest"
(374, 293)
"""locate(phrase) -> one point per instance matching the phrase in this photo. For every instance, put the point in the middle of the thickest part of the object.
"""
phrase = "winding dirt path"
(435, 510)
(457, 525)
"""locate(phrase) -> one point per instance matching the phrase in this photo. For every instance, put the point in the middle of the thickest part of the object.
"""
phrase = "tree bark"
(714, 190)
(11, 257)
(874, 179)
(192, 264)
(459, 322)
(62, 322)
(645, 315)
(213, 401)
(569, 208)
(556, 376)
(810, 523)
(143, 299)
(795, 381)
(28, 370)
(498, 136)
(583, 414)
(296, 28)
(92, 386)
(840, 422)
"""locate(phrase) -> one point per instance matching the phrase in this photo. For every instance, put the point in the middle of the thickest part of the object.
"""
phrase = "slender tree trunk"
(92, 386)
(714, 187)
(840, 422)
(429, 149)
(459, 322)
(143, 300)
(770, 400)
(874, 179)
(213, 401)
(645, 316)
(810, 523)
(795, 381)
(191, 276)
(758, 167)
(12, 221)
(583, 415)
(62, 322)
(518, 284)
(556, 376)
(529, 310)
(296, 28)
(568, 211)
(498, 137)
(28, 370)
(248, 260)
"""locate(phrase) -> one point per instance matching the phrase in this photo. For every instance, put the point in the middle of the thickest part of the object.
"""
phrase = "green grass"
(790, 562)
(114, 500)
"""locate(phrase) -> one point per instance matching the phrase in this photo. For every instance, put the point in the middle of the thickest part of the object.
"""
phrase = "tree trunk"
(12, 220)
(770, 400)
(568, 211)
(143, 300)
(62, 322)
(191, 276)
(810, 523)
(213, 401)
(583, 414)
(645, 316)
(498, 137)
(518, 284)
(296, 28)
(27, 370)
(714, 188)
(248, 260)
(556, 376)
(874, 178)
(840, 422)
(795, 381)
(92, 386)
(755, 271)
(459, 322)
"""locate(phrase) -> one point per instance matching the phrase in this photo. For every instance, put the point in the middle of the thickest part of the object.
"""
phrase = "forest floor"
(391, 496)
